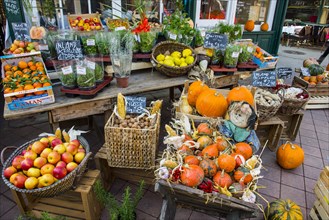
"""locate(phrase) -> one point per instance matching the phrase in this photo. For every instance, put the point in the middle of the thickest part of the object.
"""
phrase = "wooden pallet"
(80, 203)
(318, 102)
(291, 125)
(271, 131)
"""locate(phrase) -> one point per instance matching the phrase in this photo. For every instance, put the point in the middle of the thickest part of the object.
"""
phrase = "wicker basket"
(171, 47)
(58, 187)
(130, 147)
(266, 112)
(292, 106)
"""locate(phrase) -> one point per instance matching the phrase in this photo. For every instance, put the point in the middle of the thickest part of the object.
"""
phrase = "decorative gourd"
(211, 103)
(210, 151)
(308, 62)
(184, 107)
(244, 149)
(264, 26)
(249, 26)
(209, 167)
(191, 175)
(37, 33)
(319, 78)
(240, 93)
(191, 159)
(313, 79)
(204, 128)
(239, 159)
(316, 69)
(184, 150)
(243, 175)
(226, 162)
(221, 143)
(194, 91)
(289, 155)
(284, 209)
(222, 179)
(204, 141)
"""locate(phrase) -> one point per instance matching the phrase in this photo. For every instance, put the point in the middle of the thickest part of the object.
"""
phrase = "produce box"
(85, 22)
(114, 24)
(25, 96)
(264, 60)
(314, 90)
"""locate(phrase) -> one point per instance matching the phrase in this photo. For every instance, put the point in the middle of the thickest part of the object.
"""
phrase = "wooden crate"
(291, 125)
(80, 203)
(271, 131)
(318, 102)
(314, 90)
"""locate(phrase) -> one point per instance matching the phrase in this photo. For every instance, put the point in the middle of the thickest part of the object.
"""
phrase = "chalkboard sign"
(284, 72)
(264, 78)
(21, 31)
(14, 13)
(68, 49)
(135, 104)
(215, 41)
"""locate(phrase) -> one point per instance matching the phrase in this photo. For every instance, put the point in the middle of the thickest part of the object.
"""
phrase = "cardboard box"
(31, 98)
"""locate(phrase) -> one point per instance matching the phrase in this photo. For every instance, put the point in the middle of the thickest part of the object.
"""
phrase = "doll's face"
(239, 114)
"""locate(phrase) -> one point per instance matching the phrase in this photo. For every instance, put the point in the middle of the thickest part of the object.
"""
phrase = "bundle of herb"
(101, 42)
(147, 41)
(89, 43)
(198, 38)
(231, 55)
(99, 72)
(246, 54)
(85, 76)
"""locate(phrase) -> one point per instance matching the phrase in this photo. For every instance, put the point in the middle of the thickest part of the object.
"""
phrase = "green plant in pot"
(125, 210)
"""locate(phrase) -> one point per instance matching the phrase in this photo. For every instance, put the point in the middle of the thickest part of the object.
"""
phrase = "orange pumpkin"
(194, 91)
(243, 175)
(185, 150)
(290, 156)
(306, 78)
(249, 26)
(244, 149)
(210, 103)
(264, 27)
(209, 167)
(191, 175)
(240, 93)
(191, 159)
(210, 151)
(221, 143)
(222, 179)
(313, 79)
(204, 141)
(226, 162)
(204, 128)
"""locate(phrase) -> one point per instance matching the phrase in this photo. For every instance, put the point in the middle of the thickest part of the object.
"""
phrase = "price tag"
(250, 49)
(116, 62)
(172, 36)
(203, 33)
(90, 42)
(81, 70)
(235, 54)
(120, 28)
(34, 19)
(43, 47)
(236, 33)
(91, 65)
(67, 70)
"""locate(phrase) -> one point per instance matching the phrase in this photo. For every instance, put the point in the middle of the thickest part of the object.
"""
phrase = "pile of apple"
(87, 24)
(18, 47)
(44, 162)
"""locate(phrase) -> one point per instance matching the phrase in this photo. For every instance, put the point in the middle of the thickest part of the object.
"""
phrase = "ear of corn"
(58, 133)
(66, 136)
(156, 107)
(170, 131)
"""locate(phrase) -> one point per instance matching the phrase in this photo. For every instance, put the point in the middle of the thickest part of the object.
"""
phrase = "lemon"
(187, 52)
(209, 52)
(176, 54)
(177, 61)
(161, 61)
(182, 60)
(160, 57)
(189, 59)
(169, 62)
(169, 58)
(183, 64)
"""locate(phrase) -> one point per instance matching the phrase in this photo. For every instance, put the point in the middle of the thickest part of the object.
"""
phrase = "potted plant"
(123, 211)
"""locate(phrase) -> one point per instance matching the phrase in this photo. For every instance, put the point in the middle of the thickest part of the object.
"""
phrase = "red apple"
(61, 164)
(34, 172)
(76, 142)
(12, 177)
(38, 147)
(81, 149)
(45, 152)
(30, 154)
(45, 141)
(81, 29)
(39, 162)
(51, 138)
(53, 157)
(31, 182)
(55, 142)
(79, 18)
(67, 157)
(9, 171)
(60, 148)
(47, 168)
(71, 166)
(59, 172)
(19, 180)
(73, 149)
(86, 20)
(23, 152)
(27, 163)
(17, 162)
(46, 180)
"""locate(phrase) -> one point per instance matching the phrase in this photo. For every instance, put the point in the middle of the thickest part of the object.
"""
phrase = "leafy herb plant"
(231, 55)
(147, 41)
(87, 80)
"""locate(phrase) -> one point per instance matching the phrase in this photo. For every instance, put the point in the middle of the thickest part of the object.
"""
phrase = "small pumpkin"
(211, 103)
(313, 79)
(249, 26)
(204, 141)
(319, 78)
(284, 209)
(316, 69)
(240, 93)
(194, 91)
(306, 78)
(290, 156)
(204, 128)
(184, 150)
(210, 151)
(242, 175)
(264, 26)
(222, 179)
(308, 62)
(239, 160)
(226, 162)
(221, 143)
(209, 167)
(191, 175)
(191, 159)
(244, 149)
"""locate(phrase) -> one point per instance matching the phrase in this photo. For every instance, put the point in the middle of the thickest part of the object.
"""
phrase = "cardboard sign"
(21, 31)
(135, 104)
(215, 41)
(284, 72)
(68, 49)
(264, 78)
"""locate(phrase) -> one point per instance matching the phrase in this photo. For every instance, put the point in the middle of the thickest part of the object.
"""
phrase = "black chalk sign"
(215, 41)
(284, 72)
(21, 31)
(135, 104)
(68, 49)
(264, 78)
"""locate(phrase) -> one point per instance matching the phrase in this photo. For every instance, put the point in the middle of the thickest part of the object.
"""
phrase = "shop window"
(251, 10)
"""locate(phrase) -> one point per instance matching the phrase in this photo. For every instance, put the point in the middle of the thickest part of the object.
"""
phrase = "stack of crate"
(320, 209)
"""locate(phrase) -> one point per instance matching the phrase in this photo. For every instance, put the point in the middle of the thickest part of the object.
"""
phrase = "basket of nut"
(132, 139)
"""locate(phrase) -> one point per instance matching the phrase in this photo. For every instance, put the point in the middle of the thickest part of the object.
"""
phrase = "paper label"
(116, 62)
(34, 19)
(249, 49)
(90, 42)
(120, 28)
(81, 70)
(43, 47)
(236, 33)
(235, 54)
(137, 38)
(203, 33)
(67, 70)
(172, 36)
(91, 65)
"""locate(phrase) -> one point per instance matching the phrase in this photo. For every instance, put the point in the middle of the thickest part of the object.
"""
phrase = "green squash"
(281, 209)
(316, 69)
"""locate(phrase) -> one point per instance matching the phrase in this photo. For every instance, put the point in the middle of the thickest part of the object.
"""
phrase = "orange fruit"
(39, 92)
(30, 63)
(18, 73)
(18, 90)
(14, 68)
(319, 78)
(37, 84)
(28, 87)
(46, 84)
(7, 90)
(39, 64)
(22, 64)
(306, 78)
(7, 67)
(40, 68)
(8, 73)
(26, 70)
(258, 49)
(33, 67)
(26, 76)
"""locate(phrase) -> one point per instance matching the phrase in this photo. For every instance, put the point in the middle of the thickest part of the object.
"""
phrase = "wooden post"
(168, 210)
(19, 201)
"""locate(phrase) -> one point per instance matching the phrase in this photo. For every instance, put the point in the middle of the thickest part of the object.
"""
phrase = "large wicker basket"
(171, 46)
(59, 187)
(266, 112)
(292, 106)
(130, 147)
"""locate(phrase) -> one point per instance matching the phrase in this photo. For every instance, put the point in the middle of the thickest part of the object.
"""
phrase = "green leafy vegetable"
(87, 80)
(231, 55)
(89, 43)
(102, 44)
(147, 41)
(99, 73)
(198, 39)
(246, 54)
(68, 80)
